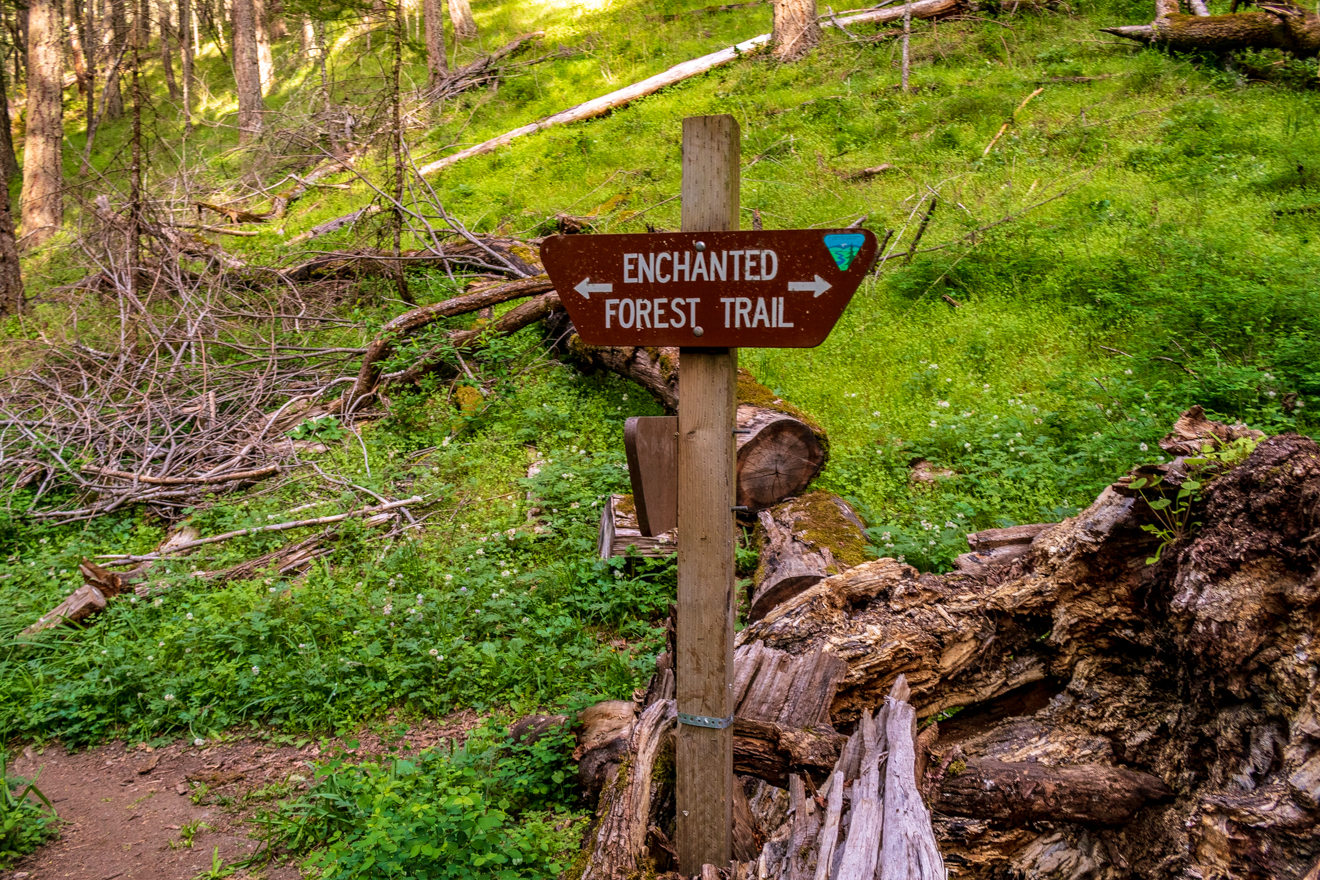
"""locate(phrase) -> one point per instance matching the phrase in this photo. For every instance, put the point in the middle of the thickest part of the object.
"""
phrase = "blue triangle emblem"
(844, 248)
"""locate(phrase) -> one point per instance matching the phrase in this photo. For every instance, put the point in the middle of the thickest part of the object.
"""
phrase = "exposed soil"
(127, 809)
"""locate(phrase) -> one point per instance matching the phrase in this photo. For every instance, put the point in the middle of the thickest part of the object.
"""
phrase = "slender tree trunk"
(465, 26)
(907, 39)
(21, 17)
(275, 21)
(91, 42)
(114, 105)
(186, 36)
(73, 22)
(306, 37)
(11, 279)
(436, 66)
(265, 61)
(135, 171)
(796, 29)
(43, 180)
(247, 70)
(166, 53)
(397, 148)
(8, 161)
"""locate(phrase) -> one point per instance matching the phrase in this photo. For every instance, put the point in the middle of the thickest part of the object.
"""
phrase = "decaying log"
(628, 806)
(1018, 793)
(619, 532)
(909, 842)
(1193, 431)
(997, 547)
(82, 603)
(803, 541)
(1274, 25)
(774, 752)
(1178, 701)
(770, 685)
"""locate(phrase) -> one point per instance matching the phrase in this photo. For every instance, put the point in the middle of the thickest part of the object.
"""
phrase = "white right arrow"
(586, 288)
(817, 287)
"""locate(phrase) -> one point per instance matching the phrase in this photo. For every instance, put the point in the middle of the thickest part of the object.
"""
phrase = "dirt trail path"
(127, 810)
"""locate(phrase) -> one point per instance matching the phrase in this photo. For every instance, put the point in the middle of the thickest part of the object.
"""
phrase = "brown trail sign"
(708, 290)
(767, 289)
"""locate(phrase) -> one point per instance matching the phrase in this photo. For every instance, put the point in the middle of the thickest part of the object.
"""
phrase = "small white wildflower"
(527, 620)
(301, 646)
(967, 446)
(481, 552)
(256, 670)
(1270, 393)
(876, 414)
(932, 543)
(434, 653)
(199, 742)
(169, 697)
(1144, 447)
(574, 505)
(188, 616)
(934, 424)
(625, 397)
(388, 608)
(1127, 372)
(105, 652)
(934, 367)
(444, 442)
(506, 573)
(151, 656)
(943, 404)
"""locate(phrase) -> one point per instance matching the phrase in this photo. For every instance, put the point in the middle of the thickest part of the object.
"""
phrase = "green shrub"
(27, 817)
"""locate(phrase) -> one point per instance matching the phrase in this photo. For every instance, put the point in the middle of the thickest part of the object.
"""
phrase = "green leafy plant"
(1172, 514)
(218, 869)
(24, 825)
(323, 428)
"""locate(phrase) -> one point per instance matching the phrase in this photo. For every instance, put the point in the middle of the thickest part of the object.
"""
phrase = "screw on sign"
(766, 289)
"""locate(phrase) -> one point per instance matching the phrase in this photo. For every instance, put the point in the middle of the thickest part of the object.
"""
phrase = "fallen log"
(802, 542)
(1019, 793)
(1274, 25)
(923, 9)
(410, 322)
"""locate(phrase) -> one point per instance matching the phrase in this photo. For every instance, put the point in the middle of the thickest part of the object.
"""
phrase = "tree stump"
(779, 454)
(803, 541)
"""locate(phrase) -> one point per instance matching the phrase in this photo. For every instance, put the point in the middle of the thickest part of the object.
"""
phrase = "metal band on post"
(704, 721)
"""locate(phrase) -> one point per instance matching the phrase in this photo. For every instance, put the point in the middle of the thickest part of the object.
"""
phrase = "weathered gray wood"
(862, 848)
(990, 539)
(773, 685)
(801, 854)
(619, 532)
(803, 541)
(910, 851)
(706, 599)
(651, 445)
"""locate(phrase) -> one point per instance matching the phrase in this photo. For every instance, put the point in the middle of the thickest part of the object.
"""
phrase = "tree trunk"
(186, 55)
(247, 71)
(166, 53)
(803, 541)
(436, 66)
(796, 29)
(73, 22)
(460, 15)
(114, 96)
(9, 168)
(43, 178)
(306, 37)
(1274, 26)
(1018, 793)
(11, 279)
(265, 61)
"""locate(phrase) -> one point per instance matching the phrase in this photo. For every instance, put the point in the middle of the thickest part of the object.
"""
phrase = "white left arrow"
(586, 288)
(817, 287)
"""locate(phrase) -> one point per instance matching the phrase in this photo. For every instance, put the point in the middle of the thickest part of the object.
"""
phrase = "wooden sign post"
(707, 400)
(707, 289)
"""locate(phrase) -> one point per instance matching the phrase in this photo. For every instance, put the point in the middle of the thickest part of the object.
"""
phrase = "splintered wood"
(868, 821)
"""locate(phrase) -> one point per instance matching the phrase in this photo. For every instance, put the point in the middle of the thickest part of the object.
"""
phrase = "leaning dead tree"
(1115, 717)
(1277, 24)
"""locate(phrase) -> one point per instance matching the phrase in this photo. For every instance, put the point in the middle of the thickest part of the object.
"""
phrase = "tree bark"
(1274, 26)
(460, 15)
(796, 29)
(437, 66)
(73, 22)
(166, 53)
(186, 55)
(43, 177)
(1018, 793)
(265, 61)
(114, 96)
(9, 168)
(247, 71)
(11, 278)
(803, 541)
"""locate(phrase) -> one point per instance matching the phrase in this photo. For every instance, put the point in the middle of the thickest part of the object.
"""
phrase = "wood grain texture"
(619, 532)
(910, 852)
(706, 600)
(651, 445)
